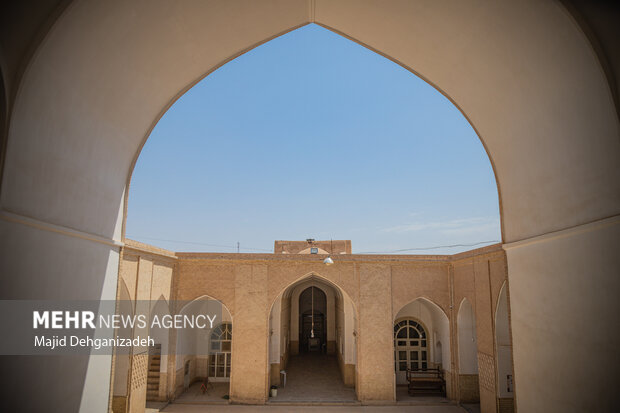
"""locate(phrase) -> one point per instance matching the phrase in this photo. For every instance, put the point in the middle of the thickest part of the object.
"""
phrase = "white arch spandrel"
(515, 96)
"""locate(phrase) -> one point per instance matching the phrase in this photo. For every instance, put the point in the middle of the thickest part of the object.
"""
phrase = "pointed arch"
(194, 354)
(284, 325)
(308, 277)
(467, 338)
(434, 319)
(503, 346)
(469, 387)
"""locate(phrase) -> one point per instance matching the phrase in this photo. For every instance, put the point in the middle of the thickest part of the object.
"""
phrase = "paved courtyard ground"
(311, 378)
(214, 394)
(193, 408)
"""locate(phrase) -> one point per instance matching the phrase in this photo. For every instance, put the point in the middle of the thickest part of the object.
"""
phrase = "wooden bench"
(426, 382)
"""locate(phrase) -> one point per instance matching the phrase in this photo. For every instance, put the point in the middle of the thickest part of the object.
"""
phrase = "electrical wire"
(203, 244)
(365, 252)
(430, 248)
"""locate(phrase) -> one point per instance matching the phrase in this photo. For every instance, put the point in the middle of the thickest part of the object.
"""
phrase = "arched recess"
(284, 328)
(122, 359)
(527, 93)
(503, 346)
(158, 354)
(469, 389)
(197, 356)
(435, 322)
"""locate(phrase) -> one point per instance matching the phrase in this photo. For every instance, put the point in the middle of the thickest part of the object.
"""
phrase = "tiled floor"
(313, 377)
(231, 408)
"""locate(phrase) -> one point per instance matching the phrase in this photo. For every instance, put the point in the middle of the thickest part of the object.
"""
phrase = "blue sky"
(313, 136)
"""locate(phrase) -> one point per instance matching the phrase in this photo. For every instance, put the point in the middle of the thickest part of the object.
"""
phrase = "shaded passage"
(314, 377)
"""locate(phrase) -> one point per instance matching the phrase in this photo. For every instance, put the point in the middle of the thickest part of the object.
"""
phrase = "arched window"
(219, 351)
(410, 346)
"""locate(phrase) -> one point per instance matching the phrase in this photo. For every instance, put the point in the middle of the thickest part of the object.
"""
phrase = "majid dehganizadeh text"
(57, 320)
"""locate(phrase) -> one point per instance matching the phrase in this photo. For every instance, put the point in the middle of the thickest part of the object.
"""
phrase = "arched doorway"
(410, 347)
(203, 356)
(320, 368)
(313, 320)
(420, 327)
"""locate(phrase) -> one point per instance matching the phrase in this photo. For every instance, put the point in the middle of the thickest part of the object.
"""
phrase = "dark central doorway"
(316, 343)
(312, 310)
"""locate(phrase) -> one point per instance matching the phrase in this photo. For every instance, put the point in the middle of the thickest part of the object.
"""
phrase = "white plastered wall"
(194, 342)
(467, 340)
(275, 330)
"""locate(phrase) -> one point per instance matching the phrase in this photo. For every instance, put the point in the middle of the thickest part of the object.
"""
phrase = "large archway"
(225, 143)
(312, 351)
(538, 98)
